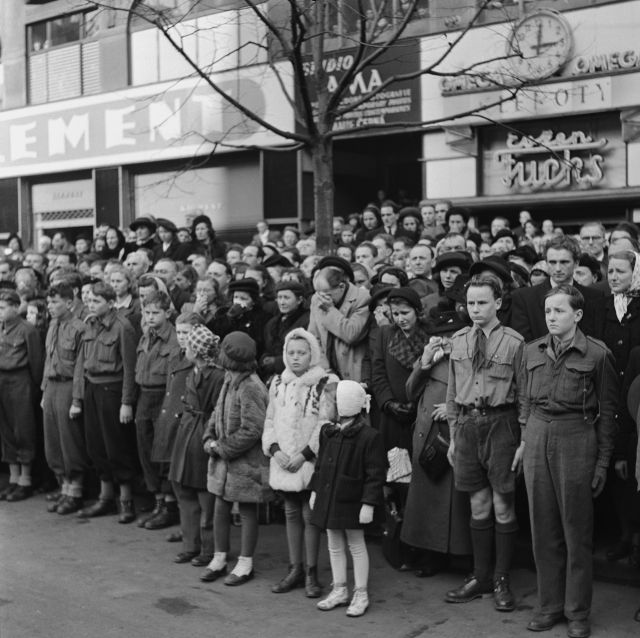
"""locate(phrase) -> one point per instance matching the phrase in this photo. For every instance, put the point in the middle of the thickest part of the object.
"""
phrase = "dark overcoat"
(350, 471)
(189, 460)
(436, 515)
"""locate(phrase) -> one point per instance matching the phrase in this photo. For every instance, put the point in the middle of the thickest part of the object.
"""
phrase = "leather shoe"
(101, 507)
(21, 493)
(209, 575)
(127, 512)
(69, 505)
(503, 598)
(579, 629)
(185, 557)
(7, 490)
(201, 560)
(52, 506)
(53, 496)
(470, 590)
(233, 580)
(166, 517)
(174, 537)
(154, 512)
(544, 622)
(293, 579)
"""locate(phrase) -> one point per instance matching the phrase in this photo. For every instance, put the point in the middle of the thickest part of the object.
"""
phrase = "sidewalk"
(65, 578)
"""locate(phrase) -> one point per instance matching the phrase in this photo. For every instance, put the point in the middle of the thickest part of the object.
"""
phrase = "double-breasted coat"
(350, 471)
(189, 460)
(436, 515)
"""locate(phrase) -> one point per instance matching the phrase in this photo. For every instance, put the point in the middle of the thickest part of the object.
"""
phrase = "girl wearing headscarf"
(618, 325)
(290, 439)
(188, 470)
(347, 485)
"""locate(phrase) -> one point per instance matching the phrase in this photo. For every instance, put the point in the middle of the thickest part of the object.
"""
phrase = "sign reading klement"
(151, 123)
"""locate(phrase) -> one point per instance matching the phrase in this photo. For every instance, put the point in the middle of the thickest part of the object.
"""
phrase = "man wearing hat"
(145, 229)
(339, 317)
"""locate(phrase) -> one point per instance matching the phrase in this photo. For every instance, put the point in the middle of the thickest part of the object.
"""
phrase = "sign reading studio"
(568, 154)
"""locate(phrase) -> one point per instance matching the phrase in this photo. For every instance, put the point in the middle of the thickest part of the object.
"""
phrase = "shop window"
(63, 57)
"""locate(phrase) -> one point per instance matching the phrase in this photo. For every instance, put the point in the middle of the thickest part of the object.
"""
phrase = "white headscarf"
(621, 299)
(351, 398)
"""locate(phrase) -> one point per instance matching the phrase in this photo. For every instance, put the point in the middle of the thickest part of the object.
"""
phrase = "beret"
(406, 295)
(504, 232)
(294, 286)
(332, 261)
(447, 260)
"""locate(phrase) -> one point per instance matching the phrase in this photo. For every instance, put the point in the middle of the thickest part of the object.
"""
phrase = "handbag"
(433, 458)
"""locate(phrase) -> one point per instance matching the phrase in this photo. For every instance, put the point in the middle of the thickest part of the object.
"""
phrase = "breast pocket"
(576, 380)
(160, 363)
(536, 379)
(106, 348)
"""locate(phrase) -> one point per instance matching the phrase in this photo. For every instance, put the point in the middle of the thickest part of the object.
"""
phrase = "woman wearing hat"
(204, 241)
(145, 230)
(170, 247)
(396, 348)
(436, 515)
(448, 267)
(292, 313)
(238, 469)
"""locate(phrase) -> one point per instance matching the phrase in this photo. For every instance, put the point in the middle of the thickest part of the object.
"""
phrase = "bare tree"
(297, 37)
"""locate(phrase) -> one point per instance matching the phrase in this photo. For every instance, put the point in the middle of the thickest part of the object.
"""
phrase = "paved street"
(64, 578)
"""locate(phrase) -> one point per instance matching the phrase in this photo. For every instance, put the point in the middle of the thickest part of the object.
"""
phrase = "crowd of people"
(425, 366)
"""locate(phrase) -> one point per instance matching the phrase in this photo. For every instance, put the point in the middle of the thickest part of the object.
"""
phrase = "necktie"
(479, 351)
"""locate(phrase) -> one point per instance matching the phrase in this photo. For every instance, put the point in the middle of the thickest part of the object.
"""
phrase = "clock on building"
(540, 45)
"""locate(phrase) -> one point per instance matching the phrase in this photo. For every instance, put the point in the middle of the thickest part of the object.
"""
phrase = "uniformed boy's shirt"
(21, 347)
(494, 385)
(155, 351)
(108, 354)
(62, 346)
(580, 381)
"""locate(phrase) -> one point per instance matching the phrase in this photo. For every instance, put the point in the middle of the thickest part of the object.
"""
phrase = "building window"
(63, 57)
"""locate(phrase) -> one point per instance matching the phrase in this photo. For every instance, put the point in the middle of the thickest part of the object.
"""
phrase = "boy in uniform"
(21, 361)
(104, 386)
(157, 347)
(64, 444)
(485, 433)
(568, 393)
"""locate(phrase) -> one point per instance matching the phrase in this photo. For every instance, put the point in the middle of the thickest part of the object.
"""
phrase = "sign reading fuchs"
(397, 102)
(556, 155)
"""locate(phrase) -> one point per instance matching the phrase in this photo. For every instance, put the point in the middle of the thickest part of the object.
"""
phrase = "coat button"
(620, 342)
(420, 434)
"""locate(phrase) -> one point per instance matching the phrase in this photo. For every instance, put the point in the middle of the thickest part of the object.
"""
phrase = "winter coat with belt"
(188, 460)
(350, 471)
(293, 417)
(239, 470)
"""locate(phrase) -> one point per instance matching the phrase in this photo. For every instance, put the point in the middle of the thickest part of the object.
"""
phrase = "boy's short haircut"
(104, 290)
(62, 289)
(10, 296)
(158, 298)
(74, 279)
(191, 318)
(576, 299)
(487, 279)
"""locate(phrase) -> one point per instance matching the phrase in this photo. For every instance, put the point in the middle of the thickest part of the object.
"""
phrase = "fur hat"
(238, 352)
(246, 284)
(351, 398)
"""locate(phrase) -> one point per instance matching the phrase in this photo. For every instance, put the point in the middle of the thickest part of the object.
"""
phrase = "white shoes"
(359, 603)
(339, 596)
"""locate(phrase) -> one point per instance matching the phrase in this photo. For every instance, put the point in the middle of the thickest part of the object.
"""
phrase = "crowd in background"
(238, 311)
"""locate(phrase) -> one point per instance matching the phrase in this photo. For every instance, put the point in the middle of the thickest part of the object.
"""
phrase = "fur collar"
(309, 378)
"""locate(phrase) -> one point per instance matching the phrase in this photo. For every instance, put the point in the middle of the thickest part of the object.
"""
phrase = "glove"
(366, 514)
(402, 411)
(236, 310)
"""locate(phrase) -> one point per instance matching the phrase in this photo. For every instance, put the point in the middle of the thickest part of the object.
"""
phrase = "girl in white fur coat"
(290, 438)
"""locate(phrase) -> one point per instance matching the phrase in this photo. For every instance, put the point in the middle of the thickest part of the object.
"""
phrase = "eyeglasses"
(591, 237)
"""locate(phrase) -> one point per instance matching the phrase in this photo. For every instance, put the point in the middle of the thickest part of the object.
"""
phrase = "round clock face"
(540, 44)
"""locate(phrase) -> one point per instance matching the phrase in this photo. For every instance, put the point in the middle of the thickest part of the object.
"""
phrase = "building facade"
(102, 120)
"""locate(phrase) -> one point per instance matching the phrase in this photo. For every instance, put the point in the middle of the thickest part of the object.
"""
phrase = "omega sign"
(551, 161)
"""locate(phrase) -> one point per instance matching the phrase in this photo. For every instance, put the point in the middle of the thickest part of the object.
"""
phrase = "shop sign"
(63, 196)
(611, 62)
(399, 102)
(164, 121)
(554, 157)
